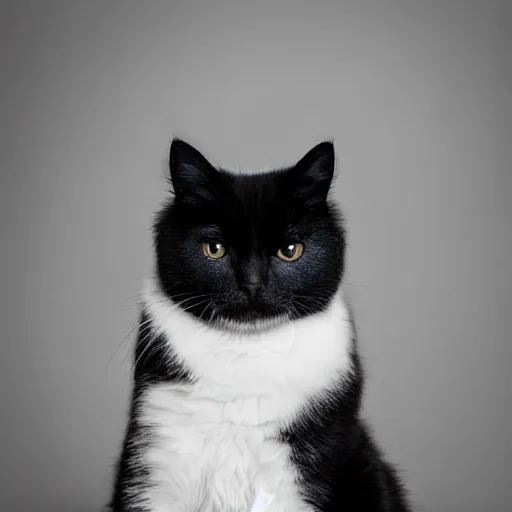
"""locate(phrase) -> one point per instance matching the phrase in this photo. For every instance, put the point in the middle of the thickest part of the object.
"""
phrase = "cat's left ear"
(314, 175)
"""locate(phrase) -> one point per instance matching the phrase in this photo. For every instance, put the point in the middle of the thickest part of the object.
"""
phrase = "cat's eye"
(214, 250)
(291, 252)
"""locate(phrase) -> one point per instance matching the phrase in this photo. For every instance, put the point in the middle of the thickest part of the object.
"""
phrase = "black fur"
(349, 473)
(253, 216)
(154, 363)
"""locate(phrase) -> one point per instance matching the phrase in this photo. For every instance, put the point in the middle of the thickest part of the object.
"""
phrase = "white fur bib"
(214, 447)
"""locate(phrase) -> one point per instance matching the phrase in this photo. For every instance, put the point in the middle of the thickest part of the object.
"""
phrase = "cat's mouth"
(250, 319)
(251, 313)
(252, 325)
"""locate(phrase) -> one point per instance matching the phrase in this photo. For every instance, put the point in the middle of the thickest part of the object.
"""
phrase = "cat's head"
(249, 250)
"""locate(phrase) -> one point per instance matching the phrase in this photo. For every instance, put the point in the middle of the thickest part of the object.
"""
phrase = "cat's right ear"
(191, 173)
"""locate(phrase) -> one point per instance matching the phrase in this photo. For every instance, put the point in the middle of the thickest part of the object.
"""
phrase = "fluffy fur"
(247, 381)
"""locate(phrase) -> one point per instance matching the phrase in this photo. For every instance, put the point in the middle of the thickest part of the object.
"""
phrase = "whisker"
(320, 299)
(138, 325)
(174, 296)
(194, 297)
(139, 358)
(305, 306)
(137, 298)
(353, 284)
(189, 307)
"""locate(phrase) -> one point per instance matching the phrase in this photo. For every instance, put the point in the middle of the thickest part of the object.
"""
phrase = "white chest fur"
(214, 448)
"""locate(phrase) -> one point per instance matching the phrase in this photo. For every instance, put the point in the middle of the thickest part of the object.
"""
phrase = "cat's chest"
(213, 444)
(220, 456)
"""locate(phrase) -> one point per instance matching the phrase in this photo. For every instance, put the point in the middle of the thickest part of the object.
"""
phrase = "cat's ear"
(314, 173)
(191, 173)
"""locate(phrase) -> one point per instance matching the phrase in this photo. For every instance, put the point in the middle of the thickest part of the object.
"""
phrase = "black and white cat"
(247, 380)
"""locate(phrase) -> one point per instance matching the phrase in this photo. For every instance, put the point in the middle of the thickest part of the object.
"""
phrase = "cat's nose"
(252, 288)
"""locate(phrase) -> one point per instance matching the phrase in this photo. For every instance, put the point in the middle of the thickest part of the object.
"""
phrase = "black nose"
(251, 288)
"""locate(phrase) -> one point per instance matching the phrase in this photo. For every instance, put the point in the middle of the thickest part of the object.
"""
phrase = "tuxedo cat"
(247, 381)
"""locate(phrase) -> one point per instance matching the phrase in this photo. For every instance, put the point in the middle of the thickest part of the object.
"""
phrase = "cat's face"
(248, 249)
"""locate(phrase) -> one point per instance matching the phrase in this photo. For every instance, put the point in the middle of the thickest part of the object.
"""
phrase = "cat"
(247, 380)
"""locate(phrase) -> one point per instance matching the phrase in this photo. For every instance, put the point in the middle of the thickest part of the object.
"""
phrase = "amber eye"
(214, 250)
(291, 252)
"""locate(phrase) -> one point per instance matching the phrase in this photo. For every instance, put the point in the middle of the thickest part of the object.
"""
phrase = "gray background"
(418, 98)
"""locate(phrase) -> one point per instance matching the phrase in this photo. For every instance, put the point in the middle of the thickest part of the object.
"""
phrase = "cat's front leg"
(151, 497)
(155, 501)
(174, 482)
